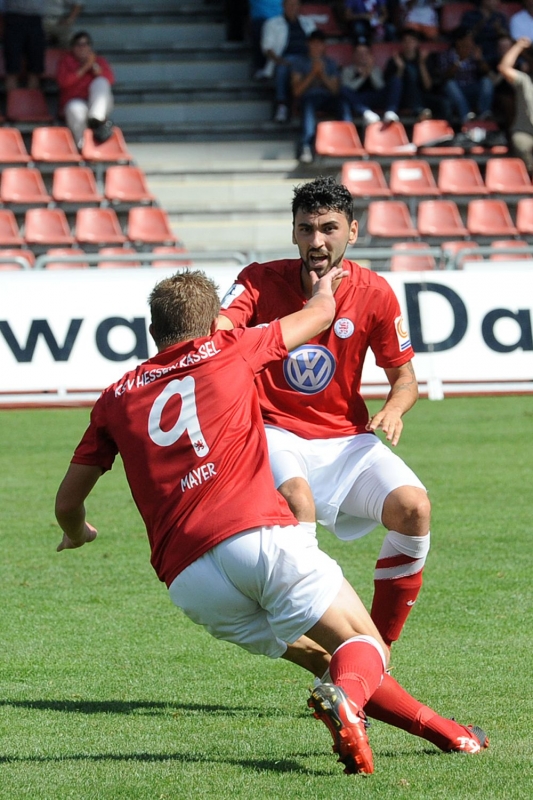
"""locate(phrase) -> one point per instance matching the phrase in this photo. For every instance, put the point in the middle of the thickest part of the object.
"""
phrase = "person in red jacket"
(85, 96)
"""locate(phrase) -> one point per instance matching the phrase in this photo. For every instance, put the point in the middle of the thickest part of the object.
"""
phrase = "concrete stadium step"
(250, 233)
(227, 194)
(272, 157)
(183, 72)
(134, 34)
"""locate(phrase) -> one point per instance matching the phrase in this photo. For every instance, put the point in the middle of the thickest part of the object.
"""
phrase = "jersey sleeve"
(97, 448)
(240, 301)
(389, 340)
(260, 346)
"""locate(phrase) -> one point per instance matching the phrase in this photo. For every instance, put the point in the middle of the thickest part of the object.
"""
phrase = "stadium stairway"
(177, 76)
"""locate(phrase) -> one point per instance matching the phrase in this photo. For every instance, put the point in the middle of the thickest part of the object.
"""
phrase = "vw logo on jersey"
(309, 368)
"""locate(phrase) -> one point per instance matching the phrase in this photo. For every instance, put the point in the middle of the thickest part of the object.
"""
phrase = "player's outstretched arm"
(402, 396)
(317, 314)
(70, 506)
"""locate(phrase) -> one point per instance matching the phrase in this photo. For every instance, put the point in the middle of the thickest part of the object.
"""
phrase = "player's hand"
(67, 544)
(388, 421)
(325, 282)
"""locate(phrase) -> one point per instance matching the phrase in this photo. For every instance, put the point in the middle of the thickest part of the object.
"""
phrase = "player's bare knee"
(408, 511)
(297, 493)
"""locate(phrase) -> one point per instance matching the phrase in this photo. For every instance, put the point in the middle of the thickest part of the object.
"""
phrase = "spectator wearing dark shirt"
(363, 85)
(487, 24)
(284, 41)
(465, 77)
(409, 82)
(23, 39)
(316, 83)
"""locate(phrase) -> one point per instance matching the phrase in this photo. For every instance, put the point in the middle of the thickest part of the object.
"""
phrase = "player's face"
(322, 239)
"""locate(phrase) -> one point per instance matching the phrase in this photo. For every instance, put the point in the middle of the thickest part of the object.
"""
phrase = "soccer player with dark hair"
(187, 424)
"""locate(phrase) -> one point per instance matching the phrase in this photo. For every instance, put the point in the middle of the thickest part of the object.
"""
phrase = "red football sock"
(392, 704)
(357, 667)
(397, 581)
(392, 602)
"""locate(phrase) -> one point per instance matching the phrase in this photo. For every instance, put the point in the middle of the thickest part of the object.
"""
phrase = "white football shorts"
(259, 589)
(349, 476)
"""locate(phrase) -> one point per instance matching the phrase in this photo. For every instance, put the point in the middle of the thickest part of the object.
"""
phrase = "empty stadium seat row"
(10, 258)
(391, 219)
(430, 137)
(456, 176)
(55, 145)
(406, 258)
(25, 186)
(94, 226)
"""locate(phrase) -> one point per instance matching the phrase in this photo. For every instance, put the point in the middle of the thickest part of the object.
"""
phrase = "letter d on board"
(137, 326)
(412, 292)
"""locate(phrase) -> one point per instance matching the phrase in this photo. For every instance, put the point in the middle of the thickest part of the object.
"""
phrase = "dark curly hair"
(322, 194)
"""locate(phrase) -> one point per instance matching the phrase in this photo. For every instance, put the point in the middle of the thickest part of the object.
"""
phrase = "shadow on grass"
(148, 707)
(256, 765)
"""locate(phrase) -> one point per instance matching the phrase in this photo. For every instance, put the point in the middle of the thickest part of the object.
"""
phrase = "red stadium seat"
(98, 226)
(507, 176)
(23, 186)
(9, 230)
(27, 255)
(340, 52)
(114, 150)
(148, 225)
(12, 147)
(387, 139)
(62, 253)
(412, 178)
(440, 218)
(27, 105)
(47, 226)
(510, 244)
(364, 179)
(117, 251)
(390, 219)
(451, 249)
(75, 185)
(338, 139)
(126, 184)
(403, 261)
(488, 217)
(170, 263)
(54, 145)
(524, 216)
(434, 137)
(460, 176)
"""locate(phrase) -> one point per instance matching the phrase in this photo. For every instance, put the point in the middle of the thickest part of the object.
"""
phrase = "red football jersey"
(188, 426)
(315, 392)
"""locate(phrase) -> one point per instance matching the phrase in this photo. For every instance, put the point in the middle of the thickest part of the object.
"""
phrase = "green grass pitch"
(108, 692)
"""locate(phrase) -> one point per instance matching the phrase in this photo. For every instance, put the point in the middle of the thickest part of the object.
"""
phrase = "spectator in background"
(59, 17)
(259, 12)
(368, 19)
(23, 39)
(409, 83)
(420, 16)
(466, 82)
(521, 130)
(521, 23)
(487, 24)
(363, 86)
(316, 83)
(504, 102)
(284, 41)
(85, 96)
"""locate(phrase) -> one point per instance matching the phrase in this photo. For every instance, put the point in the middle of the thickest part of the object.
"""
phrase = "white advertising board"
(79, 330)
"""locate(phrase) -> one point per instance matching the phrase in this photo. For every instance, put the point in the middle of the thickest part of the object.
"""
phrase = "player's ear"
(151, 331)
(214, 326)
(354, 228)
(293, 236)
